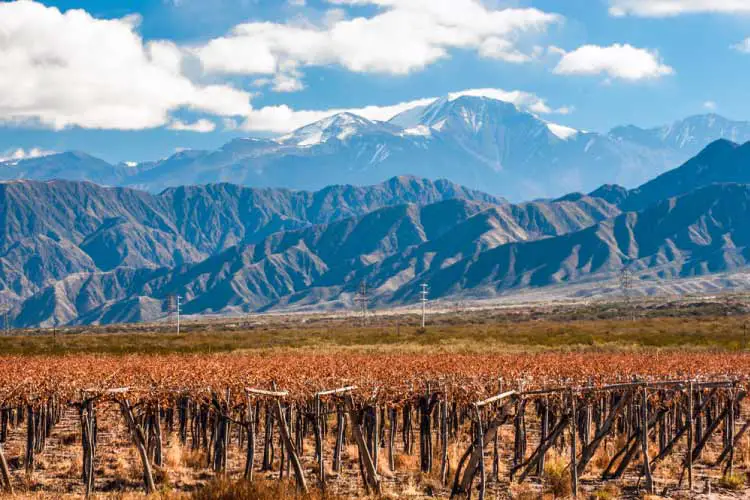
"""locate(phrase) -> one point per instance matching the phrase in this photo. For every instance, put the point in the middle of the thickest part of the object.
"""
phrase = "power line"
(423, 298)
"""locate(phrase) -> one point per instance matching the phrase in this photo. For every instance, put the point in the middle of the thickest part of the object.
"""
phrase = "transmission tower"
(361, 300)
(626, 287)
(626, 284)
(425, 290)
(6, 319)
(178, 310)
(170, 308)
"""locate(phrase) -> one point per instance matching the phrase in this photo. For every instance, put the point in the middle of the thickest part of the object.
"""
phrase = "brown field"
(457, 360)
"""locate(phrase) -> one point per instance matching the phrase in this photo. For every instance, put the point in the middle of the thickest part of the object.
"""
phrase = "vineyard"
(449, 425)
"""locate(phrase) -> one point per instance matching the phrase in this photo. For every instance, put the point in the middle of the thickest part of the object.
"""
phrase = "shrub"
(734, 481)
(557, 478)
(224, 489)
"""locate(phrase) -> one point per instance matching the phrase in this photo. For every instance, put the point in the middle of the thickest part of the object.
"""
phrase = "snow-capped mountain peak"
(561, 131)
(340, 126)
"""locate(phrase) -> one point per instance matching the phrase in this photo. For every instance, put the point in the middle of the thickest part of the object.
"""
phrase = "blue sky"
(137, 80)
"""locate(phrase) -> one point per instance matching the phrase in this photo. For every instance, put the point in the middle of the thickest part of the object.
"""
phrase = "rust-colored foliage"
(389, 379)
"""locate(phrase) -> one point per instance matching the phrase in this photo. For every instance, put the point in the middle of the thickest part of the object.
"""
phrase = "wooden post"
(139, 441)
(376, 436)
(298, 472)
(7, 484)
(87, 438)
(543, 433)
(444, 442)
(644, 442)
(690, 437)
(573, 460)
(340, 439)
(730, 434)
(371, 474)
(391, 438)
(250, 458)
(480, 441)
(319, 442)
(30, 442)
(158, 440)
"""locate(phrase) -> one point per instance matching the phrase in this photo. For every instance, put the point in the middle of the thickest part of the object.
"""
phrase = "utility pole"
(361, 299)
(423, 298)
(179, 306)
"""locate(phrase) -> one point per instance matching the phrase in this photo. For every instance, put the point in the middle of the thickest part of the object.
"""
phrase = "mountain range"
(476, 142)
(74, 252)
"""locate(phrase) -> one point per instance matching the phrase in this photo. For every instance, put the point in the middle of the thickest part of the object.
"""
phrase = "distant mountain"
(460, 247)
(702, 232)
(477, 142)
(74, 165)
(720, 162)
(688, 136)
(51, 230)
(257, 271)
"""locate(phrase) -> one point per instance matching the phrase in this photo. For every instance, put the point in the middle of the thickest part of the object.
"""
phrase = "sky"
(138, 80)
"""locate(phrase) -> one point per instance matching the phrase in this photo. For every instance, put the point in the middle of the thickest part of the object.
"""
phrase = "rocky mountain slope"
(257, 272)
(51, 230)
(74, 252)
(477, 142)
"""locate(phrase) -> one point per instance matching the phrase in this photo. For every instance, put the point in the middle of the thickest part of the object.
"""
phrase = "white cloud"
(710, 105)
(203, 125)
(743, 46)
(401, 37)
(523, 100)
(71, 69)
(667, 8)
(23, 154)
(282, 119)
(616, 61)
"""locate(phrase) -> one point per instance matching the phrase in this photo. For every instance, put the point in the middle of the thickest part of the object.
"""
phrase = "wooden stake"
(690, 437)
(250, 458)
(573, 460)
(391, 437)
(298, 472)
(644, 442)
(371, 475)
(7, 484)
(444, 442)
(139, 441)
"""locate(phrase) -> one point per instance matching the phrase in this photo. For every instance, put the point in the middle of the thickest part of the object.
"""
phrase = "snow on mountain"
(481, 142)
(341, 127)
(562, 131)
(690, 135)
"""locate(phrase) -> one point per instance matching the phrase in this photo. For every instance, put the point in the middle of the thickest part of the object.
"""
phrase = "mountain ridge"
(477, 142)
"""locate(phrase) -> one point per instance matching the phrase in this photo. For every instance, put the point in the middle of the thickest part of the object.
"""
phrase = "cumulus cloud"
(710, 105)
(401, 37)
(63, 69)
(616, 61)
(23, 154)
(203, 125)
(666, 8)
(282, 119)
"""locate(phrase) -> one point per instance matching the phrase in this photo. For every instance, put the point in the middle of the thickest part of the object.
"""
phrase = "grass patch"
(474, 335)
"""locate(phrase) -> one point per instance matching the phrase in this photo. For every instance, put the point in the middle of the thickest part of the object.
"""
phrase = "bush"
(557, 478)
(608, 492)
(224, 489)
(734, 481)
